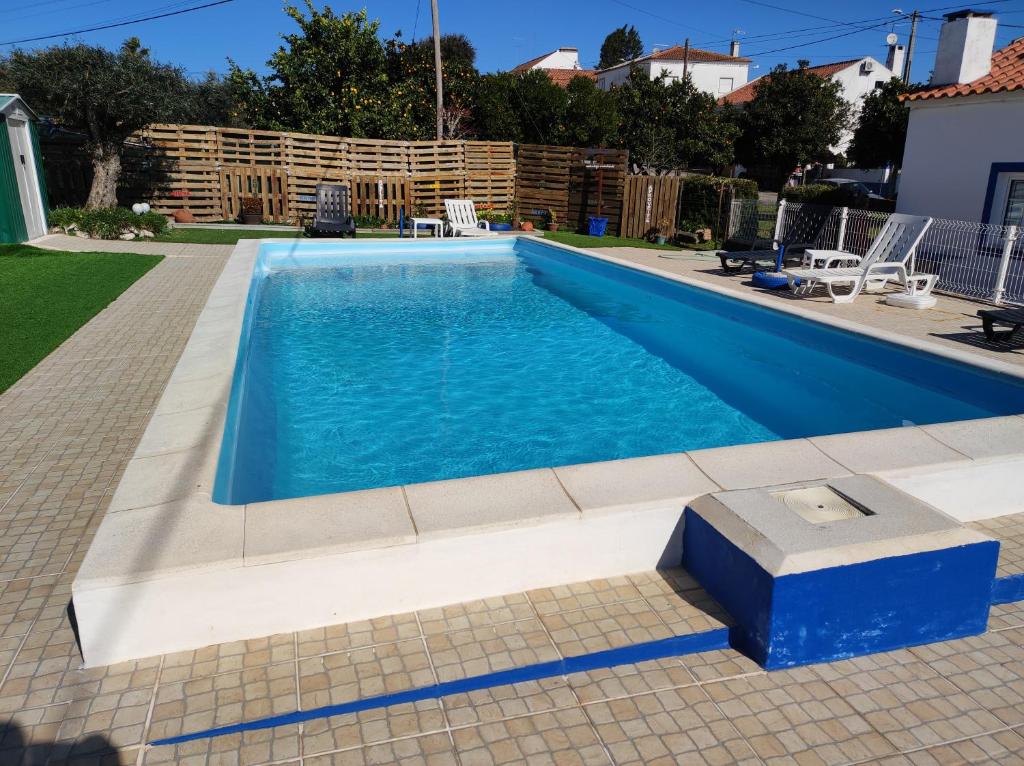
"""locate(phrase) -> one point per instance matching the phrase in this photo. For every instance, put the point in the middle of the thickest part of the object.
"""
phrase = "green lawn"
(46, 295)
(231, 236)
(583, 240)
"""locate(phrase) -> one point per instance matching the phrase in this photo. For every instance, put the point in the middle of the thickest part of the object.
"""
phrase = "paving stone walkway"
(144, 246)
(68, 428)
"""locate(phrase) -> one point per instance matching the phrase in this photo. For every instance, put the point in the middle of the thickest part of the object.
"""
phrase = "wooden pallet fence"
(596, 181)
(380, 196)
(268, 184)
(647, 200)
(542, 181)
(490, 172)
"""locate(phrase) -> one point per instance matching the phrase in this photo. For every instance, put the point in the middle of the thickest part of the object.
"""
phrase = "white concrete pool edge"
(171, 570)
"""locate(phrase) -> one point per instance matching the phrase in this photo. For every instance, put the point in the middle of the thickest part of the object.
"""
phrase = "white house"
(964, 156)
(856, 77)
(561, 65)
(712, 72)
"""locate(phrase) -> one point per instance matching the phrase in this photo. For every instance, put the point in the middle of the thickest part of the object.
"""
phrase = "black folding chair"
(333, 213)
(800, 232)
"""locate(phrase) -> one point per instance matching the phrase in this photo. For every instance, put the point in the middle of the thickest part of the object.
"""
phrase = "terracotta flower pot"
(527, 225)
(183, 216)
(552, 227)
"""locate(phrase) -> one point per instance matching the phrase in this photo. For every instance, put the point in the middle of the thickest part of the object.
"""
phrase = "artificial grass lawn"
(46, 295)
(583, 240)
(231, 236)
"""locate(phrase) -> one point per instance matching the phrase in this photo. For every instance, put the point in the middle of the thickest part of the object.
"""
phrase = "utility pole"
(686, 57)
(910, 46)
(437, 70)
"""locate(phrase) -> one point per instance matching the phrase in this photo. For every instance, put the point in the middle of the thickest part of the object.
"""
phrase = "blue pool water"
(370, 364)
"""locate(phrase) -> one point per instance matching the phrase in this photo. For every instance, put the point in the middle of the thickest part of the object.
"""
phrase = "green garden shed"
(23, 207)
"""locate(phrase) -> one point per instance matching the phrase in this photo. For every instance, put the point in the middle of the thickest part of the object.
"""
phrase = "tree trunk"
(106, 170)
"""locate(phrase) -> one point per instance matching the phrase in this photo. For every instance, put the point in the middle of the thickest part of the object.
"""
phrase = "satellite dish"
(891, 38)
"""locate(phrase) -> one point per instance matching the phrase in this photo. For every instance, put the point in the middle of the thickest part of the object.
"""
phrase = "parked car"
(857, 188)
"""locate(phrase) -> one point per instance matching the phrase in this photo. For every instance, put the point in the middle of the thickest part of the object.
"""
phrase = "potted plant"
(551, 219)
(664, 231)
(513, 212)
(498, 221)
(252, 210)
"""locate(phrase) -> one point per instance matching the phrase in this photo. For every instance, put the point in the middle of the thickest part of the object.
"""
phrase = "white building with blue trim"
(964, 156)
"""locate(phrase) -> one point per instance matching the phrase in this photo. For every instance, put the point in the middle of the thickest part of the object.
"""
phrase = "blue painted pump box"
(816, 581)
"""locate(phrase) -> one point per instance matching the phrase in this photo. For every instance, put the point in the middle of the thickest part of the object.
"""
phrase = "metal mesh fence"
(975, 260)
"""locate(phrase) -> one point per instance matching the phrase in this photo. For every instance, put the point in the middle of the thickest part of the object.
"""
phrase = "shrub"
(704, 200)
(107, 223)
(820, 194)
(368, 221)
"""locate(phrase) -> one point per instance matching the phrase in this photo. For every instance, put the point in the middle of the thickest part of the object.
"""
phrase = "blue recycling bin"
(598, 224)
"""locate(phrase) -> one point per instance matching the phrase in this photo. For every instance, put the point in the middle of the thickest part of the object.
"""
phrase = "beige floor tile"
(580, 595)
(794, 716)
(563, 737)
(509, 701)
(339, 638)
(597, 628)
(717, 664)
(370, 671)
(477, 651)
(183, 707)
(476, 614)
(429, 750)
(631, 679)
(907, 700)
(1004, 748)
(670, 726)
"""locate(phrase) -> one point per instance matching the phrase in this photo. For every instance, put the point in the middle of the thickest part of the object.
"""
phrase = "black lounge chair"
(991, 317)
(333, 216)
(799, 234)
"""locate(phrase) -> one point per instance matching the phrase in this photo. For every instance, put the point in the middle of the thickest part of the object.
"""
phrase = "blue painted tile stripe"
(650, 650)
(1006, 590)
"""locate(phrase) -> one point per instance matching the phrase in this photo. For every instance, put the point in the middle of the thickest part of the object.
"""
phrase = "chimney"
(734, 48)
(895, 60)
(965, 47)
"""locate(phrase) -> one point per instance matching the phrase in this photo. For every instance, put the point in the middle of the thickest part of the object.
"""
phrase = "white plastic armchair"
(462, 218)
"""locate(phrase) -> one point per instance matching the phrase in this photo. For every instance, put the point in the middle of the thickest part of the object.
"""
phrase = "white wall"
(951, 145)
(706, 76)
(564, 58)
(856, 84)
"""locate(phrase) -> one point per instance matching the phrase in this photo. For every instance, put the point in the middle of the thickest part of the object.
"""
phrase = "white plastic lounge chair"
(462, 220)
(887, 257)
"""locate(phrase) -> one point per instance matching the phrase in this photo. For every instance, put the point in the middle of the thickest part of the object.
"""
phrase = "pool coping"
(162, 523)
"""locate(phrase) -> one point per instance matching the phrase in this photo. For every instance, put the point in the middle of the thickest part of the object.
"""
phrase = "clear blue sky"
(507, 33)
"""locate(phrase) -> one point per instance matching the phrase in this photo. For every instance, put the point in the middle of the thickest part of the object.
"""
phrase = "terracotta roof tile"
(528, 65)
(745, 93)
(1007, 74)
(562, 77)
(677, 53)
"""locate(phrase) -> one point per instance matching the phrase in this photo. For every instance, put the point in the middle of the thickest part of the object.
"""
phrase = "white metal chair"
(890, 256)
(462, 220)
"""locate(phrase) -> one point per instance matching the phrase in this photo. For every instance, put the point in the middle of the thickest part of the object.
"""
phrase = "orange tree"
(330, 77)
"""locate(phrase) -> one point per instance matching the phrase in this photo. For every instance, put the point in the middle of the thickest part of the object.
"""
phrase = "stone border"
(165, 548)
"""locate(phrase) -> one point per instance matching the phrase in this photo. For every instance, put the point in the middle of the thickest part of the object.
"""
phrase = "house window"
(725, 85)
(1013, 212)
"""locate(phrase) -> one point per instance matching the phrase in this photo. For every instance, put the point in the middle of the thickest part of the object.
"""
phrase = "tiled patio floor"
(68, 428)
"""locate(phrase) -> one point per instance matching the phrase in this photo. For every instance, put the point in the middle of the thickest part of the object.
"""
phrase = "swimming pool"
(373, 364)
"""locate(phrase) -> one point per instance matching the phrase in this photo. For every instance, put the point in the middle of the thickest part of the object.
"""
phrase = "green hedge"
(107, 223)
(705, 200)
(820, 194)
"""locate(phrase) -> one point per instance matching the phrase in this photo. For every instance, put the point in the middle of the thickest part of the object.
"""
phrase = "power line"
(119, 24)
(661, 18)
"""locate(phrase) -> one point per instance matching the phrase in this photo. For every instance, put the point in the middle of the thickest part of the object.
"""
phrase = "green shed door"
(12, 219)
